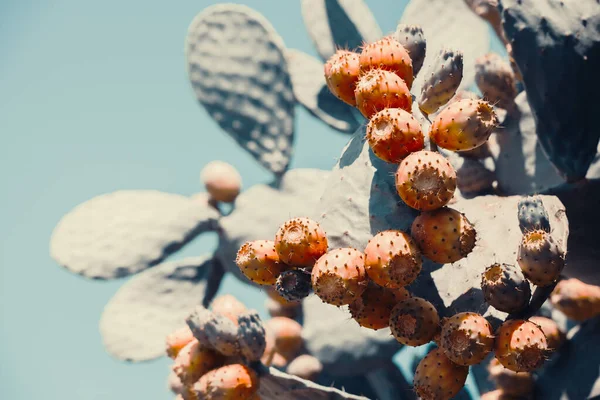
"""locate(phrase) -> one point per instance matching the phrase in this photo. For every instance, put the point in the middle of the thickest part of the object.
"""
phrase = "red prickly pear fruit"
(496, 80)
(287, 336)
(193, 361)
(467, 338)
(306, 367)
(577, 300)
(387, 54)
(520, 345)
(231, 382)
(505, 288)
(425, 180)
(228, 306)
(463, 125)
(300, 242)
(341, 74)
(177, 340)
(393, 134)
(411, 37)
(438, 378)
(259, 262)
(510, 382)
(379, 89)
(339, 277)
(414, 321)
(373, 308)
(554, 336)
(444, 235)
(540, 258)
(392, 259)
(221, 180)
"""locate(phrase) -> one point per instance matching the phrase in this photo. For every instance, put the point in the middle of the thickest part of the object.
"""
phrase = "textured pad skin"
(450, 24)
(334, 24)
(136, 321)
(312, 92)
(121, 233)
(556, 45)
(237, 67)
(361, 201)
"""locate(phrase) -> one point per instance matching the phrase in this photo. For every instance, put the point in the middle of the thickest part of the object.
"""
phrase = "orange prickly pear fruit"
(438, 378)
(467, 338)
(178, 340)
(193, 361)
(554, 336)
(510, 382)
(378, 89)
(230, 382)
(414, 321)
(520, 345)
(577, 300)
(339, 277)
(228, 306)
(259, 262)
(341, 74)
(221, 180)
(540, 258)
(374, 307)
(393, 134)
(496, 80)
(287, 336)
(300, 242)
(387, 54)
(306, 367)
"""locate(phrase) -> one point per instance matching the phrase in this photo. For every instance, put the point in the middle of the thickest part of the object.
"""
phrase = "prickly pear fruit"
(259, 261)
(438, 378)
(221, 180)
(577, 300)
(287, 335)
(197, 321)
(496, 80)
(444, 77)
(300, 242)
(467, 338)
(341, 74)
(411, 37)
(251, 335)
(374, 307)
(339, 277)
(228, 306)
(294, 285)
(520, 345)
(414, 321)
(443, 235)
(231, 382)
(505, 288)
(174, 383)
(425, 180)
(510, 382)
(533, 215)
(474, 177)
(554, 336)
(393, 134)
(392, 259)
(177, 340)
(193, 361)
(379, 89)
(463, 125)
(305, 367)
(222, 334)
(540, 258)
(387, 54)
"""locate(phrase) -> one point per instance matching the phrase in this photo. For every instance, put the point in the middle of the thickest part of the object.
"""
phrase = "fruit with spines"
(294, 285)
(393, 134)
(438, 378)
(339, 276)
(193, 361)
(521, 345)
(387, 54)
(251, 333)
(259, 262)
(496, 80)
(444, 235)
(505, 288)
(222, 334)
(442, 82)
(300, 242)
(374, 307)
(379, 89)
(305, 366)
(540, 258)
(510, 382)
(463, 125)
(554, 335)
(533, 215)
(577, 300)
(414, 321)
(467, 338)
(197, 321)
(228, 306)
(287, 336)
(230, 382)
(222, 181)
(177, 340)
(392, 259)
(341, 75)
(411, 37)
(425, 180)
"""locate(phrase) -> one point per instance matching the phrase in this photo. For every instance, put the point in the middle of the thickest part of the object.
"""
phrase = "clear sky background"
(94, 98)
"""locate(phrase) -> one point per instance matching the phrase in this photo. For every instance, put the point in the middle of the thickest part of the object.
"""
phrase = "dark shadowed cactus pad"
(237, 67)
(121, 233)
(312, 92)
(361, 200)
(136, 321)
(275, 384)
(556, 45)
(334, 24)
(533, 215)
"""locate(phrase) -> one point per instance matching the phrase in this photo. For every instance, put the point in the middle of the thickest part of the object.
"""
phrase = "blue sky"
(94, 98)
